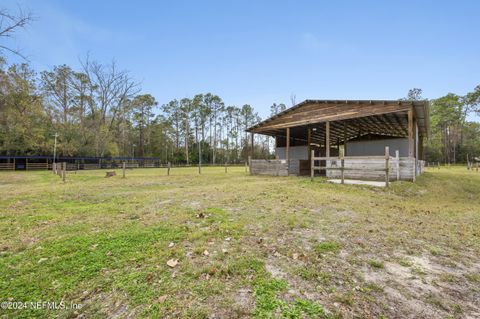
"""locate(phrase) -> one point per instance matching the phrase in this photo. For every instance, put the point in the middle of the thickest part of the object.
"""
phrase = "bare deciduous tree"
(11, 23)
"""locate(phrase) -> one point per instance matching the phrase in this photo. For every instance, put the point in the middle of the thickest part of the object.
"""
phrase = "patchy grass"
(326, 247)
(246, 246)
(376, 264)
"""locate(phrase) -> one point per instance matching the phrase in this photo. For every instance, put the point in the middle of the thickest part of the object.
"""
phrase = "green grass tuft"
(327, 247)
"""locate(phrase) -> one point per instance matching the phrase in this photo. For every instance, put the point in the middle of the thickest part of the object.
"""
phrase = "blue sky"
(260, 52)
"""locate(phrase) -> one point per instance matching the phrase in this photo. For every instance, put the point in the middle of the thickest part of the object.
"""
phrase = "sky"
(263, 52)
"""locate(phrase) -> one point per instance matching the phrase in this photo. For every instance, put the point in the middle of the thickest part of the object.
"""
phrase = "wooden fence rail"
(367, 159)
(7, 166)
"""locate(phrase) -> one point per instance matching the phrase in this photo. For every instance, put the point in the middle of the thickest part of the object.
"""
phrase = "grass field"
(246, 246)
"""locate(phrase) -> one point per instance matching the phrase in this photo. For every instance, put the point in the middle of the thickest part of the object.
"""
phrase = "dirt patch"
(244, 302)
(423, 288)
(111, 305)
(274, 270)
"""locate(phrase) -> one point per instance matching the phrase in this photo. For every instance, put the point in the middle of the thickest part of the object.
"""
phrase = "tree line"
(454, 132)
(99, 111)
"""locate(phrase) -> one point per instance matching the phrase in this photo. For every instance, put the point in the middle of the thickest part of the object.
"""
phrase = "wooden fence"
(384, 167)
(363, 164)
(268, 167)
(7, 166)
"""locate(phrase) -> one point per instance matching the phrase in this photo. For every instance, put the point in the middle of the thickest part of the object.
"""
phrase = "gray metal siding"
(377, 147)
(296, 152)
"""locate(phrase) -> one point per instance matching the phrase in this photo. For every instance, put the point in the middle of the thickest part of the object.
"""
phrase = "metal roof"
(421, 108)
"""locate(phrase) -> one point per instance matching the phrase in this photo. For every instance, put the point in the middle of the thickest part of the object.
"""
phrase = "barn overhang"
(348, 119)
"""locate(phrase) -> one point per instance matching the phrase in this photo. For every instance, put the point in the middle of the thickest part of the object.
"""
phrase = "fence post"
(312, 162)
(168, 168)
(342, 171)
(53, 168)
(64, 171)
(397, 156)
(225, 167)
(245, 166)
(250, 164)
(123, 169)
(387, 168)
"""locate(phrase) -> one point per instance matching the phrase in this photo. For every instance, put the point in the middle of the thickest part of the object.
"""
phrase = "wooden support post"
(287, 147)
(64, 169)
(169, 165)
(342, 172)
(410, 133)
(344, 138)
(327, 146)
(250, 164)
(312, 163)
(421, 151)
(397, 158)
(327, 139)
(26, 164)
(252, 154)
(287, 151)
(309, 141)
(246, 166)
(414, 170)
(14, 166)
(225, 167)
(123, 169)
(387, 166)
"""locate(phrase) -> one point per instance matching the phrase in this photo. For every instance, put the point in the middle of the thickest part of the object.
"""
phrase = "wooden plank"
(410, 133)
(397, 159)
(309, 141)
(312, 163)
(342, 172)
(252, 154)
(327, 139)
(287, 148)
(373, 157)
(387, 166)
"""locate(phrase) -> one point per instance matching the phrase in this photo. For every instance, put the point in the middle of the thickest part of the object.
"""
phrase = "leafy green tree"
(186, 114)
(142, 111)
(24, 125)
